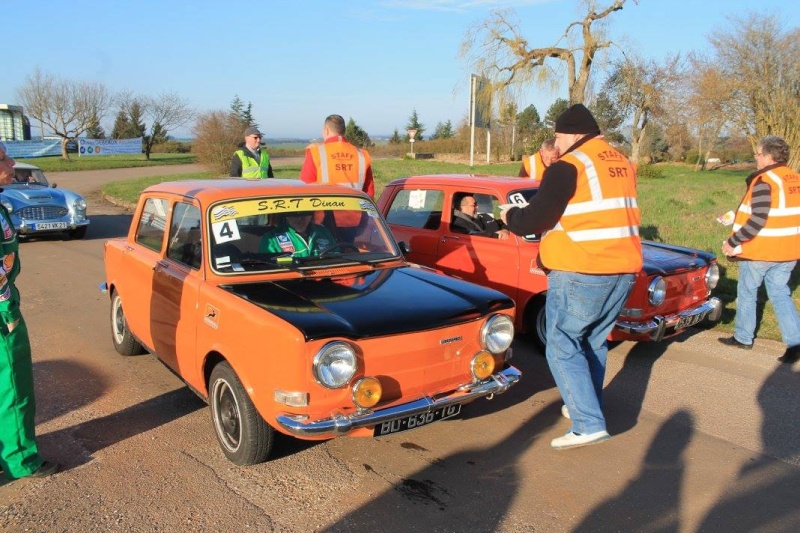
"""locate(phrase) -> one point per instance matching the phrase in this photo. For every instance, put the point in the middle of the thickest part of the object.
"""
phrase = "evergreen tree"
(415, 124)
(95, 131)
(137, 127)
(241, 113)
(558, 107)
(121, 125)
(528, 121)
(444, 130)
(395, 138)
(356, 135)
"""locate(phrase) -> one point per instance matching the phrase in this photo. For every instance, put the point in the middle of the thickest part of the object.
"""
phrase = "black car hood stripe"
(381, 302)
(666, 259)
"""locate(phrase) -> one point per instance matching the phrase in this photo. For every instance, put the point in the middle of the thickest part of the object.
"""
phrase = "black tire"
(535, 321)
(124, 341)
(243, 435)
(78, 233)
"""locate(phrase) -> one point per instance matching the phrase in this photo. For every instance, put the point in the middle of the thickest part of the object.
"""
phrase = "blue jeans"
(581, 310)
(776, 277)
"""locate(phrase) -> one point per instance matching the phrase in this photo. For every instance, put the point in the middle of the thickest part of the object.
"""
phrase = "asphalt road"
(704, 437)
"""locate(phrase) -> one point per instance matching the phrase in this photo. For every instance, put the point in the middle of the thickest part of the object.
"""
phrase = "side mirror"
(404, 248)
(54, 185)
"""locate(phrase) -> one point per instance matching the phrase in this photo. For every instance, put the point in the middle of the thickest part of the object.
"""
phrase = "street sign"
(411, 134)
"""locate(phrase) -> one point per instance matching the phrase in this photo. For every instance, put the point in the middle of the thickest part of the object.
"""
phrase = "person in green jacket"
(19, 455)
(251, 161)
(297, 235)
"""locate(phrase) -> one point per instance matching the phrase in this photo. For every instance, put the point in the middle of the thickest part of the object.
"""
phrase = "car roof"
(501, 183)
(208, 191)
(25, 166)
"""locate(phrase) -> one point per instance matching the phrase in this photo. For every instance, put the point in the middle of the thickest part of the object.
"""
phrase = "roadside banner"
(23, 149)
(109, 146)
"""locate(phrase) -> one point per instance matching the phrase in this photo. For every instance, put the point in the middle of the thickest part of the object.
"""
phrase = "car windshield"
(297, 233)
(29, 176)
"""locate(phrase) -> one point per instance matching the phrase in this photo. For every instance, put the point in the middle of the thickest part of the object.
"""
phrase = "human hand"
(12, 325)
(502, 234)
(729, 250)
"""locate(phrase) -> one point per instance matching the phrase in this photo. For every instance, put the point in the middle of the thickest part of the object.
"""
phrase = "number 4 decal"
(225, 231)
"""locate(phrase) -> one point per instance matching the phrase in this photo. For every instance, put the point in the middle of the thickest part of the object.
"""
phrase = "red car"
(672, 292)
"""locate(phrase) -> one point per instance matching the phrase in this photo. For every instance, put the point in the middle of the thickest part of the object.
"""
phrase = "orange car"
(288, 307)
(671, 293)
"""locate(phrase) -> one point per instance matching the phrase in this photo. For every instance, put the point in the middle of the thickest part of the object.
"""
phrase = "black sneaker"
(47, 469)
(791, 355)
(731, 341)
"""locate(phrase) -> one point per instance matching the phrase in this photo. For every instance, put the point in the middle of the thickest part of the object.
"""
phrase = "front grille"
(42, 212)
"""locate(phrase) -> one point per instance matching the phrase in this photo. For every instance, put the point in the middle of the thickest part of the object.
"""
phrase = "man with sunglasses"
(251, 161)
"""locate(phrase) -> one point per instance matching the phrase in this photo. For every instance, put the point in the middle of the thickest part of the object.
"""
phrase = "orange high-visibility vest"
(599, 230)
(534, 166)
(779, 239)
(340, 163)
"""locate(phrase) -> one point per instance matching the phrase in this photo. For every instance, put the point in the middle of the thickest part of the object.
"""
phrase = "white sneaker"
(574, 440)
(565, 412)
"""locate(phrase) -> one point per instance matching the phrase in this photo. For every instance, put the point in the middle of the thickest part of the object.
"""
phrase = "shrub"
(650, 172)
(172, 147)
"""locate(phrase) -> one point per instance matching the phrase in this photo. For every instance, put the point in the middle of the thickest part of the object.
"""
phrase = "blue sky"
(298, 61)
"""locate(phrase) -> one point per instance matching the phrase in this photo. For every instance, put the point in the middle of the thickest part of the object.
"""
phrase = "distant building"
(14, 125)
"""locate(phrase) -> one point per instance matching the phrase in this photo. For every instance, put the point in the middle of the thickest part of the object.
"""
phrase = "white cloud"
(457, 5)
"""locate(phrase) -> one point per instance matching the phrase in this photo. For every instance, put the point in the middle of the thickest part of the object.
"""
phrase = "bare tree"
(166, 113)
(217, 134)
(67, 107)
(761, 60)
(496, 49)
(709, 99)
(638, 87)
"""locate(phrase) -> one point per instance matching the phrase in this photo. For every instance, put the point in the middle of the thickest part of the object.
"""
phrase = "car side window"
(417, 208)
(153, 223)
(185, 243)
(487, 210)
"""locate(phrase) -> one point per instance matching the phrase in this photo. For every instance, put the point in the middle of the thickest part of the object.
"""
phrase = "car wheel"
(536, 321)
(243, 435)
(78, 233)
(124, 341)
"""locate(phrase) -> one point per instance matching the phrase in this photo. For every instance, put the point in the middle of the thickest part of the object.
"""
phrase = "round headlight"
(712, 276)
(482, 365)
(335, 365)
(367, 392)
(79, 204)
(8, 205)
(497, 334)
(657, 291)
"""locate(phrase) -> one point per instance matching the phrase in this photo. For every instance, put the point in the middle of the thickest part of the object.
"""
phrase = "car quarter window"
(153, 223)
(416, 208)
(185, 243)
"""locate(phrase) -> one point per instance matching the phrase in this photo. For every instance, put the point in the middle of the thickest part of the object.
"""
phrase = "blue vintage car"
(39, 208)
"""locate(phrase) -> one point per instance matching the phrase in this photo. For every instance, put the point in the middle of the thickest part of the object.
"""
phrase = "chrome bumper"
(341, 424)
(656, 328)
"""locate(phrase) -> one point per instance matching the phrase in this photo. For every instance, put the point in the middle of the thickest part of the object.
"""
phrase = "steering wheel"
(340, 247)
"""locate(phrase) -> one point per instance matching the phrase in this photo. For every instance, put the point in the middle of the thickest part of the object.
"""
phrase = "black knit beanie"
(576, 119)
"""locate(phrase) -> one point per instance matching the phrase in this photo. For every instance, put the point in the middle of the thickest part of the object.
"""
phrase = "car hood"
(665, 259)
(381, 302)
(34, 195)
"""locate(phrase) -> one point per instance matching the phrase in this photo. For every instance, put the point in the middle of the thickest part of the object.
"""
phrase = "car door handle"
(451, 237)
(160, 264)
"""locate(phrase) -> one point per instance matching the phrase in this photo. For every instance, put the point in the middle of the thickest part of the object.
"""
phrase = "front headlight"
(657, 291)
(79, 204)
(712, 276)
(334, 365)
(8, 205)
(497, 334)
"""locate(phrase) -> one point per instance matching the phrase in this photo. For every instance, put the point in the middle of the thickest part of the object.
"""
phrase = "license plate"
(415, 421)
(688, 321)
(51, 225)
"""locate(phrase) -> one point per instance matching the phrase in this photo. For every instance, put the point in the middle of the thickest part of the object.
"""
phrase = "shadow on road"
(764, 496)
(651, 501)
(108, 226)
